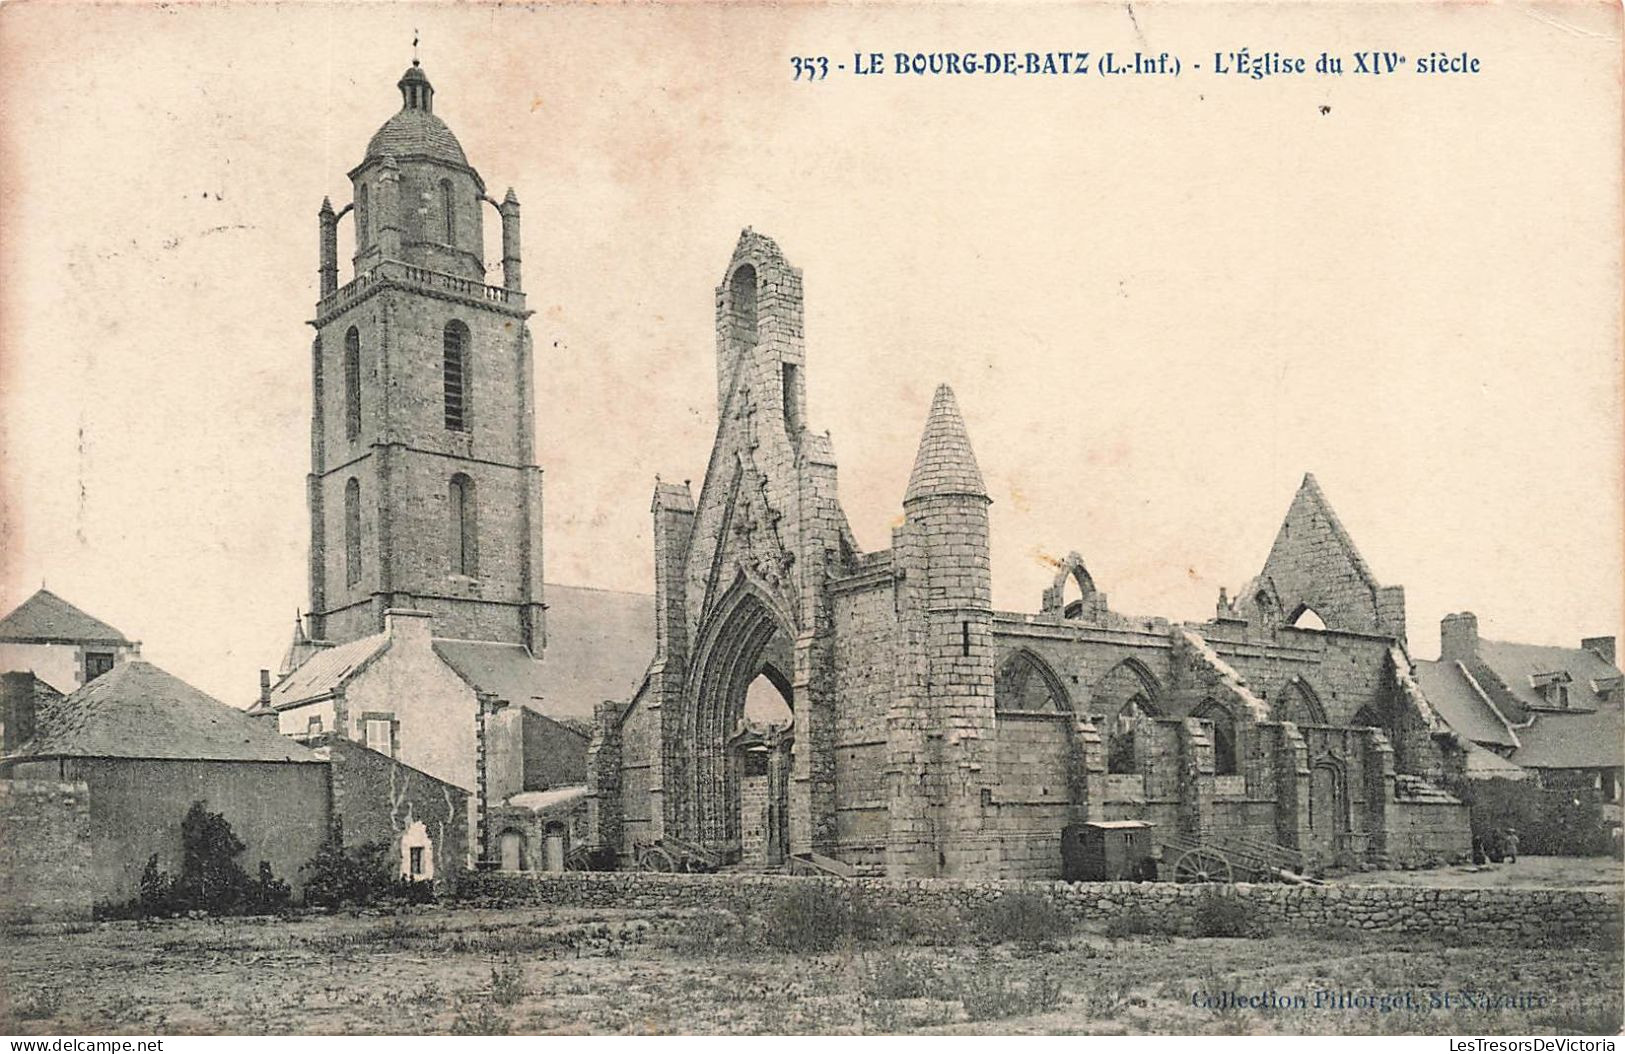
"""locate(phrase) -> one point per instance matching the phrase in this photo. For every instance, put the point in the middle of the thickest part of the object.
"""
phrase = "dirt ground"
(1532, 872)
(539, 970)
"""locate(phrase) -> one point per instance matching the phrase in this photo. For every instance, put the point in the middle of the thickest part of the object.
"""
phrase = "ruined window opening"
(352, 531)
(1120, 743)
(792, 406)
(352, 383)
(742, 306)
(1308, 618)
(1071, 597)
(1366, 717)
(313, 727)
(1224, 737)
(448, 211)
(455, 375)
(766, 703)
(96, 664)
(1025, 685)
(462, 516)
(363, 230)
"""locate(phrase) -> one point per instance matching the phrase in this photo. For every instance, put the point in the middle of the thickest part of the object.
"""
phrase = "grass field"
(540, 970)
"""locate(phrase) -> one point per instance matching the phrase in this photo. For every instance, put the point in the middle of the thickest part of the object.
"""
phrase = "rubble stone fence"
(1513, 914)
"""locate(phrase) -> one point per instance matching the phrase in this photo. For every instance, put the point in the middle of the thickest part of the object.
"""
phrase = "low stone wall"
(1514, 914)
(45, 863)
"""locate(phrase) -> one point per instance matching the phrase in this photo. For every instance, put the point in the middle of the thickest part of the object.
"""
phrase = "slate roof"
(415, 130)
(1574, 741)
(327, 671)
(507, 671)
(137, 710)
(45, 618)
(1483, 763)
(1461, 705)
(1589, 735)
(599, 645)
(1517, 664)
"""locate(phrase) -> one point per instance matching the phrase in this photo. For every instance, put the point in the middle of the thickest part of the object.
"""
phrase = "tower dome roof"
(415, 129)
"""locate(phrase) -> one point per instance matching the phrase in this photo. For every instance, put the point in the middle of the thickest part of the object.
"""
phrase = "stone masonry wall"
(45, 865)
(1511, 914)
(378, 799)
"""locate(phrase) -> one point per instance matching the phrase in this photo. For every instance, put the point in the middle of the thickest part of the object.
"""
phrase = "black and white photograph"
(811, 519)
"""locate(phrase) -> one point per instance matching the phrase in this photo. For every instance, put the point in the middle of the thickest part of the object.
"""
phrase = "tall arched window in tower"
(448, 212)
(352, 531)
(363, 210)
(456, 376)
(463, 526)
(742, 306)
(352, 383)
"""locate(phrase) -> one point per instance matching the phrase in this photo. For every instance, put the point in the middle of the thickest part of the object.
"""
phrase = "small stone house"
(482, 716)
(60, 644)
(145, 745)
(105, 775)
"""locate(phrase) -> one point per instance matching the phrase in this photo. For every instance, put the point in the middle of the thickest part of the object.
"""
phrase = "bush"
(359, 876)
(210, 880)
(507, 983)
(718, 932)
(481, 1019)
(989, 993)
(811, 918)
(1025, 918)
(894, 977)
(1218, 915)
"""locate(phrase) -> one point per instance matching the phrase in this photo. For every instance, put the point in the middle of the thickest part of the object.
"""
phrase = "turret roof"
(945, 464)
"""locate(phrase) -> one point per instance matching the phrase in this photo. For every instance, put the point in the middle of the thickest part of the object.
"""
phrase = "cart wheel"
(656, 859)
(1202, 865)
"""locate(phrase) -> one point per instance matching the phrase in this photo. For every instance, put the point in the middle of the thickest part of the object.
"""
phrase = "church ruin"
(934, 735)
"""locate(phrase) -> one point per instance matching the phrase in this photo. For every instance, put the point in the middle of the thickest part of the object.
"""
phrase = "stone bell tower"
(424, 490)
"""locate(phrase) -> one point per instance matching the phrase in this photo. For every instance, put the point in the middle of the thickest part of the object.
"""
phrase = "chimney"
(406, 624)
(262, 706)
(16, 710)
(1603, 647)
(1458, 637)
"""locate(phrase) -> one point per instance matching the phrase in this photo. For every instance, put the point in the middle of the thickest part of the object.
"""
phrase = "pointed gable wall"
(1315, 565)
(766, 508)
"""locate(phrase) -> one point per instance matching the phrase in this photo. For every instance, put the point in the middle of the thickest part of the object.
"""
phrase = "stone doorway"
(1328, 812)
(738, 743)
(511, 851)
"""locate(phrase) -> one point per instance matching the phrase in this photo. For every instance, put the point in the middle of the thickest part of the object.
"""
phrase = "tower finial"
(415, 47)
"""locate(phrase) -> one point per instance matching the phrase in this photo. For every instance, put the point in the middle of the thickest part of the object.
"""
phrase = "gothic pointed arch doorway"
(738, 732)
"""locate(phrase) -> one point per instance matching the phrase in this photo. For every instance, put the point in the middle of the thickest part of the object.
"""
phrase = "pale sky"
(1160, 301)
